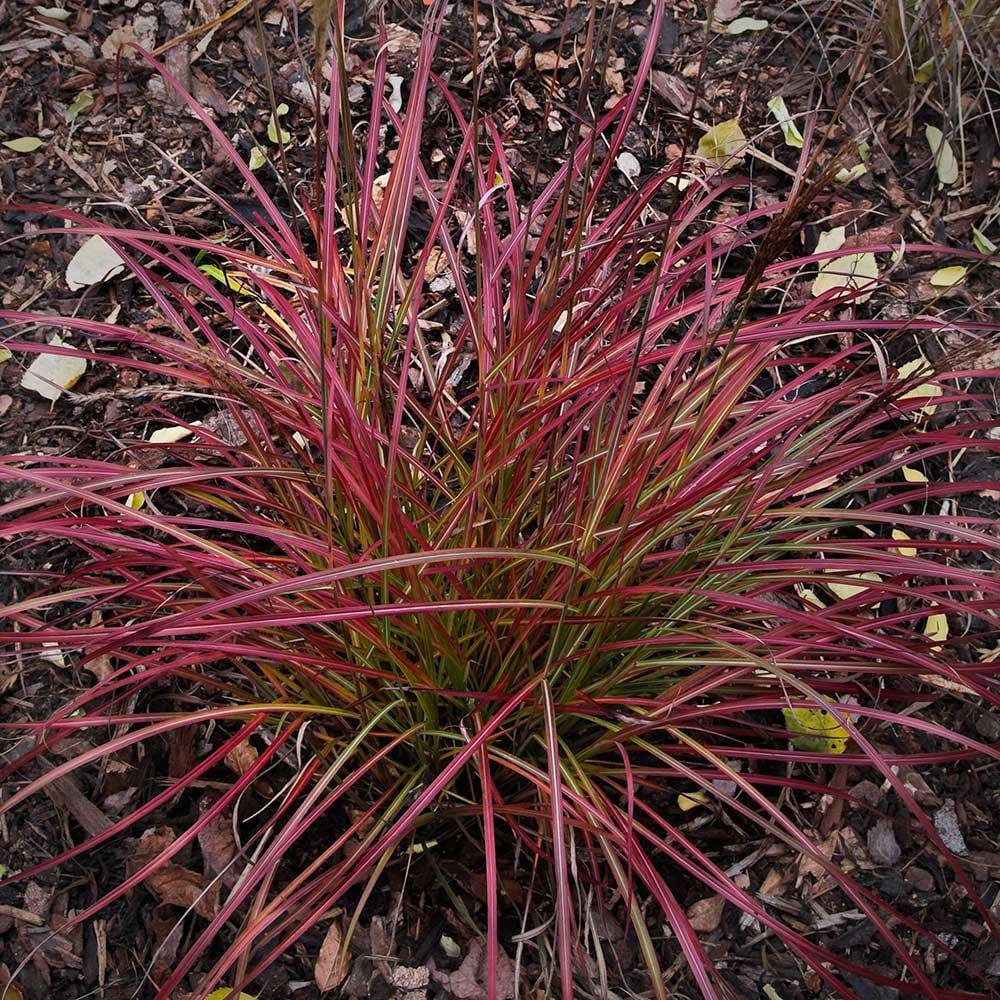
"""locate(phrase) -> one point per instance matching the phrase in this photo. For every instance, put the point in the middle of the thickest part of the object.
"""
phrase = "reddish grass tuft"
(518, 578)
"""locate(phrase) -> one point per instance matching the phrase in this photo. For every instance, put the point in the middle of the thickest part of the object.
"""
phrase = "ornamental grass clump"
(616, 531)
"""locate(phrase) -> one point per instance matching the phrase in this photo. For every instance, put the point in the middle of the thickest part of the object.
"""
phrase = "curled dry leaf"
(883, 848)
(333, 962)
(218, 845)
(468, 981)
(706, 914)
(241, 758)
(169, 881)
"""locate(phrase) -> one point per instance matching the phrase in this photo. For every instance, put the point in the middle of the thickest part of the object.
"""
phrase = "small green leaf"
(257, 158)
(231, 281)
(947, 277)
(944, 157)
(26, 144)
(227, 994)
(924, 71)
(649, 257)
(982, 243)
(83, 101)
(5, 355)
(275, 133)
(744, 24)
(724, 144)
(778, 108)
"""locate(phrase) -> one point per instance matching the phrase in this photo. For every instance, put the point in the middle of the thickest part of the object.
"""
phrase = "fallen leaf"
(333, 962)
(81, 102)
(548, 60)
(847, 174)
(691, 800)
(218, 845)
(169, 881)
(925, 389)
(744, 24)
(241, 758)
(169, 435)
(778, 108)
(844, 591)
(468, 981)
(54, 14)
(275, 133)
(725, 10)
(856, 271)
(118, 39)
(947, 277)
(628, 165)
(925, 71)
(95, 261)
(50, 375)
(25, 144)
(706, 915)
(912, 475)
(815, 730)
(899, 535)
(257, 158)
(883, 848)
(936, 629)
(227, 994)
(944, 157)
(982, 243)
(724, 144)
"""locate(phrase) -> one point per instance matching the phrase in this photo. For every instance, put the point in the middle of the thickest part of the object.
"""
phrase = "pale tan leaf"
(928, 390)
(706, 915)
(944, 157)
(50, 375)
(947, 277)
(95, 261)
(332, 964)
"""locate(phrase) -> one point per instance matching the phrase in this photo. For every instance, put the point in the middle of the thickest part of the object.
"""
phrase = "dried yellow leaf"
(901, 536)
(947, 277)
(944, 157)
(936, 629)
(51, 374)
(930, 390)
(815, 730)
(691, 800)
(844, 591)
(724, 144)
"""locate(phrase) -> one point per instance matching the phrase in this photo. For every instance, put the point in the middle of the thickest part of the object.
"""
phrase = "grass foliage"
(515, 581)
